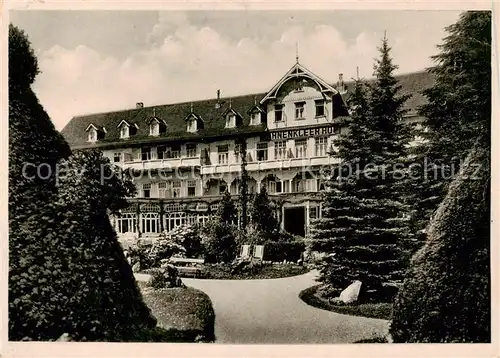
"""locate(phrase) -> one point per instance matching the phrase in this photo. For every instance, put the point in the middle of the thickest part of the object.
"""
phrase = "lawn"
(268, 271)
(183, 314)
(371, 310)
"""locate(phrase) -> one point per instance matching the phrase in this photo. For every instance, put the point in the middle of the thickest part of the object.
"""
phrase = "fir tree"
(264, 222)
(458, 109)
(226, 212)
(362, 228)
(243, 186)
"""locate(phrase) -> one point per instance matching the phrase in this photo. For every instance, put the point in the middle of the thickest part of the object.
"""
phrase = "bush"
(445, 296)
(164, 248)
(219, 240)
(158, 279)
(279, 251)
(184, 314)
(187, 236)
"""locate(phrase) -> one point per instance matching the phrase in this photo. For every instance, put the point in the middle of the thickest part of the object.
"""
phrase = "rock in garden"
(351, 293)
(136, 268)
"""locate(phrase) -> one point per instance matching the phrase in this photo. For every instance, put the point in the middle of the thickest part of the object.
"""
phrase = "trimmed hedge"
(183, 314)
(446, 294)
(279, 251)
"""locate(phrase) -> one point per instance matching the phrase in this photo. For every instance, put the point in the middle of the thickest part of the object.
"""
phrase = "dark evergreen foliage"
(67, 272)
(264, 222)
(363, 225)
(446, 295)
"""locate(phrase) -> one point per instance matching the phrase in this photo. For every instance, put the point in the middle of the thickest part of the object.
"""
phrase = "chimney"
(217, 105)
(139, 105)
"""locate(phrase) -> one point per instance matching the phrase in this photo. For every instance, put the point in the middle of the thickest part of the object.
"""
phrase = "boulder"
(136, 268)
(351, 293)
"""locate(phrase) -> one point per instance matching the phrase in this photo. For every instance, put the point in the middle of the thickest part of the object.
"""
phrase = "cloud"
(183, 62)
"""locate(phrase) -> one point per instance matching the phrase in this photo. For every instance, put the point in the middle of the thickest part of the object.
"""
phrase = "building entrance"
(295, 220)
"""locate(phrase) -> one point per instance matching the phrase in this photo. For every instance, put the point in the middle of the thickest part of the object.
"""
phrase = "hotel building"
(188, 153)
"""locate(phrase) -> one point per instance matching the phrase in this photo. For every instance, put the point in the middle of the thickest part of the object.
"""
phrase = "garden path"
(270, 311)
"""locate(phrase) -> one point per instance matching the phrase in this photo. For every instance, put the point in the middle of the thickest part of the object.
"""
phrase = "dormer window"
(154, 128)
(124, 131)
(230, 120)
(254, 118)
(95, 133)
(192, 127)
(92, 135)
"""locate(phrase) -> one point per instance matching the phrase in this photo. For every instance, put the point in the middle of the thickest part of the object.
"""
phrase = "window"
(222, 153)
(154, 128)
(176, 189)
(320, 108)
(146, 190)
(146, 153)
(255, 118)
(280, 150)
(262, 151)
(278, 113)
(237, 153)
(150, 222)
(124, 131)
(161, 151)
(191, 187)
(92, 135)
(174, 151)
(162, 190)
(117, 157)
(127, 222)
(299, 110)
(191, 150)
(310, 185)
(222, 187)
(313, 212)
(300, 148)
(320, 146)
(275, 187)
(192, 125)
(230, 120)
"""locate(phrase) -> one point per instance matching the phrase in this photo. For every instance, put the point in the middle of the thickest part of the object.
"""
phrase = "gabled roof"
(158, 120)
(91, 125)
(298, 70)
(128, 124)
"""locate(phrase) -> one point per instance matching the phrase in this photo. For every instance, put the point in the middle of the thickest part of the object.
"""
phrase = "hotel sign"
(304, 132)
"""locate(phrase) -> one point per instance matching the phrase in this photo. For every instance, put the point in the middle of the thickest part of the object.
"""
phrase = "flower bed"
(372, 310)
(183, 314)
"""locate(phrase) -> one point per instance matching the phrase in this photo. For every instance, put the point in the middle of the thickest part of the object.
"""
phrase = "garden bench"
(258, 252)
(245, 251)
(188, 266)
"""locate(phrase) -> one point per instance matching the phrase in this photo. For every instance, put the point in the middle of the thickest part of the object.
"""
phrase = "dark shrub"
(446, 294)
(219, 240)
(279, 251)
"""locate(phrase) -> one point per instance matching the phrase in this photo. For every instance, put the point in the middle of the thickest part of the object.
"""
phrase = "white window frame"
(300, 110)
(223, 155)
(279, 108)
(230, 120)
(150, 221)
(264, 150)
(163, 189)
(131, 222)
(280, 149)
(318, 104)
(119, 156)
(192, 125)
(255, 118)
(320, 146)
(300, 148)
(190, 185)
(222, 184)
(147, 187)
(176, 189)
(154, 128)
(124, 131)
(191, 152)
(92, 135)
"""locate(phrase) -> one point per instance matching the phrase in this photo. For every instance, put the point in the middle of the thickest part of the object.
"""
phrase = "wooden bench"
(188, 266)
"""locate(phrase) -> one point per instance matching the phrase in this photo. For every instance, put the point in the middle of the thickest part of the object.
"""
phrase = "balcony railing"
(163, 163)
(277, 164)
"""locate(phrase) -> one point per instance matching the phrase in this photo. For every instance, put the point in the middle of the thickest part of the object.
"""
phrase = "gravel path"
(270, 311)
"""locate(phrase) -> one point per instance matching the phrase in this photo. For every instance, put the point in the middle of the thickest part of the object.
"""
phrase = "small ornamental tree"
(243, 186)
(264, 223)
(219, 233)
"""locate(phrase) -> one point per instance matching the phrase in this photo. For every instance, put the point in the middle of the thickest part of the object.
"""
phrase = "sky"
(97, 61)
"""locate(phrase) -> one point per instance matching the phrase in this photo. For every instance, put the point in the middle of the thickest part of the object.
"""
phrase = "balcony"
(270, 165)
(170, 163)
